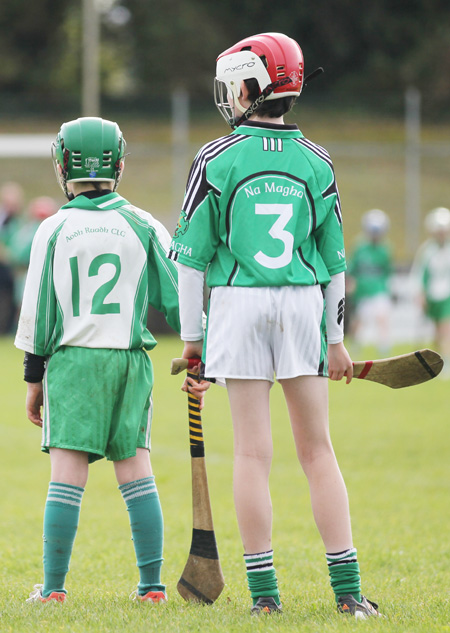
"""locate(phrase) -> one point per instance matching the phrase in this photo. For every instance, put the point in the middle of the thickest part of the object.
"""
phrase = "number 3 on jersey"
(98, 300)
(277, 232)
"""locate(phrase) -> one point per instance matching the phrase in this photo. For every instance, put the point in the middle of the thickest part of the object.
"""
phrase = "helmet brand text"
(233, 69)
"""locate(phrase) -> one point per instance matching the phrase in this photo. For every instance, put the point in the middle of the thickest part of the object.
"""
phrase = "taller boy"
(262, 215)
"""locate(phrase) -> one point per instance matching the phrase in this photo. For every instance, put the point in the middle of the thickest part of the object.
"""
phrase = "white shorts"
(376, 307)
(254, 333)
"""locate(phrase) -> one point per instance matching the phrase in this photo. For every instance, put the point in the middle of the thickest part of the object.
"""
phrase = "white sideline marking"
(26, 145)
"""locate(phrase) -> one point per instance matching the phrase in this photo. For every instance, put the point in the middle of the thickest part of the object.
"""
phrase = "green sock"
(146, 520)
(261, 576)
(62, 511)
(345, 579)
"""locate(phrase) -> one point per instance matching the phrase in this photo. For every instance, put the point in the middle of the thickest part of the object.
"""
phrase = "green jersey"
(261, 209)
(95, 266)
(371, 266)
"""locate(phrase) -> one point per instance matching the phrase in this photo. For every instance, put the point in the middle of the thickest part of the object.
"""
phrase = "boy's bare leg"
(249, 403)
(307, 401)
(69, 467)
(133, 468)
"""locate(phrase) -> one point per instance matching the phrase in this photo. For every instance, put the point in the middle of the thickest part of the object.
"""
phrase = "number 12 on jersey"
(98, 305)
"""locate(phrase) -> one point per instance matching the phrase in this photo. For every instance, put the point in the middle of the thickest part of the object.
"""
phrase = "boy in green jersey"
(95, 266)
(369, 273)
(262, 216)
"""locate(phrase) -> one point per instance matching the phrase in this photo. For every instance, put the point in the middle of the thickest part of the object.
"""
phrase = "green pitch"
(394, 451)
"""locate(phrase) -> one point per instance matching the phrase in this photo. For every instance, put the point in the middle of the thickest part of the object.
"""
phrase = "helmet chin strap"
(262, 97)
(268, 91)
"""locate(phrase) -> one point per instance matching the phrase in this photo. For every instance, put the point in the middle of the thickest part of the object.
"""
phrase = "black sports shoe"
(266, 604)
(361, 610)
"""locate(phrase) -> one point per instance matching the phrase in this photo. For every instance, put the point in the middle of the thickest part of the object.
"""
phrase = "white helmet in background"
(438, 220)
(375, 223)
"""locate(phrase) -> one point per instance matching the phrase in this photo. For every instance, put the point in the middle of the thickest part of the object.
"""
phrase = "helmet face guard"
(273, 59)
(88, 149)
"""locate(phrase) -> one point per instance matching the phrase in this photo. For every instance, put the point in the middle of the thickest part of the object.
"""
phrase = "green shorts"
(98, 401)
(438, 310)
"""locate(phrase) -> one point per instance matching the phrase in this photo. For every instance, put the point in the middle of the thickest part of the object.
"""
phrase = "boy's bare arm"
(34, 402)
(339, 362)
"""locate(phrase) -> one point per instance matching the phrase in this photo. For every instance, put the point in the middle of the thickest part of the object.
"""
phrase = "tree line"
(371, 52)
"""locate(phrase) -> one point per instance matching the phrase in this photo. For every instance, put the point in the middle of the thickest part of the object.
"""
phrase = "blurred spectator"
(368, 277)
(431, 278)
(18, 247)
(11, 206)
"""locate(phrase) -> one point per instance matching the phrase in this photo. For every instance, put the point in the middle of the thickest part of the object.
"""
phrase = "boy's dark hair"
(273, 108)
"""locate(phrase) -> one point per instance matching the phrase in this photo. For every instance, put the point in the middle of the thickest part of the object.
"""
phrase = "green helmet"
(88, 149)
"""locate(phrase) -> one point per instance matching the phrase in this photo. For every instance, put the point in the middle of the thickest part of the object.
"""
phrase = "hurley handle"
(195, 421)
(180, 364)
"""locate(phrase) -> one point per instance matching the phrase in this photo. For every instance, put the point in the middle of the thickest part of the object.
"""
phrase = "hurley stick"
(400, 371)
(395, 372)
(202, 579)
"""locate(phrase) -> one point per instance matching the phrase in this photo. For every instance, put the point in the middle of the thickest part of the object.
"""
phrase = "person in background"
(11, 207)
(19, 243)
(368, 282)
(431, 279)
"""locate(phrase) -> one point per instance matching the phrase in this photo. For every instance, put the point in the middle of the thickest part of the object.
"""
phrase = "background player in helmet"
(262, 216)
(369, 272)
(95, 266)
(431, 275)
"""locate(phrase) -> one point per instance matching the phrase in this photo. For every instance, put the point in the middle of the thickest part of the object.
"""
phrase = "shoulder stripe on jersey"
(318, 150)
(322, 153)
(129, 214)
(160, 250)
(109, 202)
(196, 187)
(202, 156)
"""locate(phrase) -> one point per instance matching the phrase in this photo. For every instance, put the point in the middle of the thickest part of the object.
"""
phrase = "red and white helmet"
(273, 59)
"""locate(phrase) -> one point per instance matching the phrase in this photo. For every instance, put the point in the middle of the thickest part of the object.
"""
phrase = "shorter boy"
(95, 266)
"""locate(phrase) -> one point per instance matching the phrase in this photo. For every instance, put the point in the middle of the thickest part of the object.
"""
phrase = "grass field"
(394, 451)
